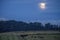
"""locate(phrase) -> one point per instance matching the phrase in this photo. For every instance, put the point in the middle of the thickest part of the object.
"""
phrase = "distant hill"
(12, 25)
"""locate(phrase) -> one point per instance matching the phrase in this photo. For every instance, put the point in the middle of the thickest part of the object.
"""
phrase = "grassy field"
(30, 35)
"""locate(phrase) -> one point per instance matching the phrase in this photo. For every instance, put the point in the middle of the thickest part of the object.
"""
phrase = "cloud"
(3, 19)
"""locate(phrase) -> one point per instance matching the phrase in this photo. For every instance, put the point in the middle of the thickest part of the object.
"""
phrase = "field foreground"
(30, 35)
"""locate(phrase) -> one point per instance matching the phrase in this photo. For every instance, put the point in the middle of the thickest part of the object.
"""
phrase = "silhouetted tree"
(12, 25)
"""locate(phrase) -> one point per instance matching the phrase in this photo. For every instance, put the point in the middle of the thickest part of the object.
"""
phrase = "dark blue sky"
(29, 11)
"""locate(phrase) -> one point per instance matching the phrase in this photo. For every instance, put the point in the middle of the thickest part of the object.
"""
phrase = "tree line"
(12, 25)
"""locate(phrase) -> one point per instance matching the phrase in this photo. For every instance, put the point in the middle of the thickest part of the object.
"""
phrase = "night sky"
(29, 11)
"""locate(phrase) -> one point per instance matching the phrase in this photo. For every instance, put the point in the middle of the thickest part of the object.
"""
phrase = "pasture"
(30, 35)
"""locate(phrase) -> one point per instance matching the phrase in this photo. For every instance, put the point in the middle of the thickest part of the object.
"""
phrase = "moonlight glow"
(42, 5)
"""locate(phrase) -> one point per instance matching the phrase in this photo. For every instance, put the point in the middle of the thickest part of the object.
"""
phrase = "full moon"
(42, 5)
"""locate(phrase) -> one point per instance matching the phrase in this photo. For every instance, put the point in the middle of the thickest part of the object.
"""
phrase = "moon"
(42, 5)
